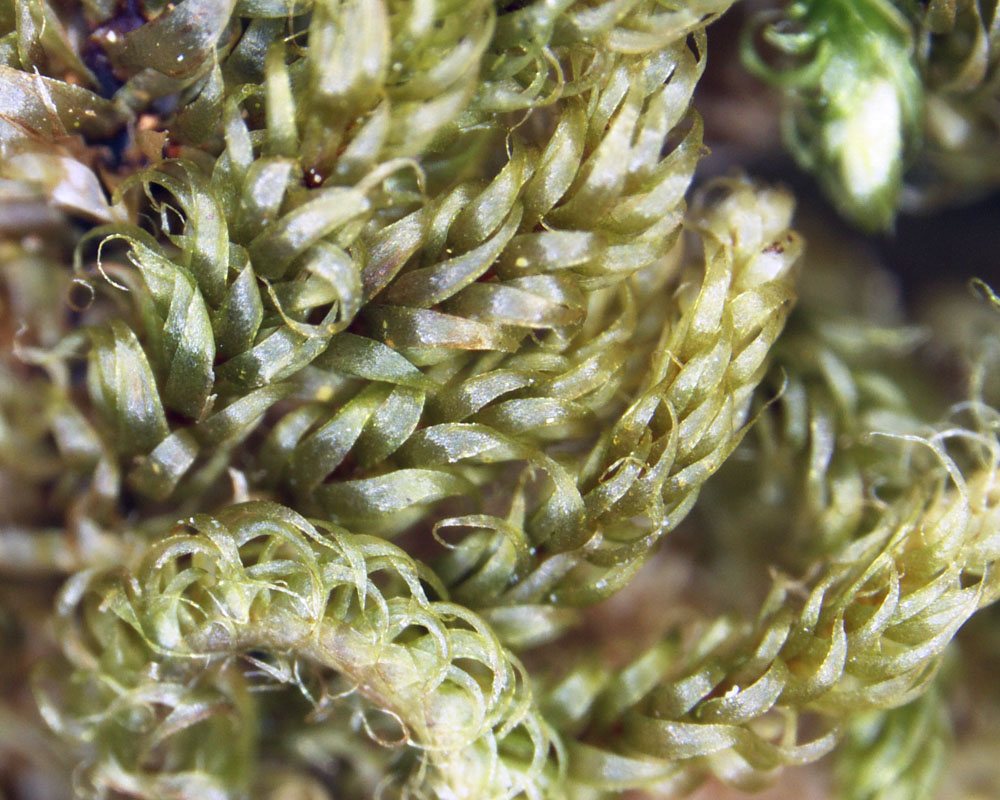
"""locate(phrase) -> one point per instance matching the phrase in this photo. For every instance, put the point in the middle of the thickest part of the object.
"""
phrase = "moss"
(287, 281)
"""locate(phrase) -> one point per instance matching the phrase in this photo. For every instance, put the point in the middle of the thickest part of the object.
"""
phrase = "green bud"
(852, 110)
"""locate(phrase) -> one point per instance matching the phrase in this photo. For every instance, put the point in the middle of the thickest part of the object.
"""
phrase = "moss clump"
(286, 280)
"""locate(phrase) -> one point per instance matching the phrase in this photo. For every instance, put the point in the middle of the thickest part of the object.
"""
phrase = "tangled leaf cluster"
(283, 280)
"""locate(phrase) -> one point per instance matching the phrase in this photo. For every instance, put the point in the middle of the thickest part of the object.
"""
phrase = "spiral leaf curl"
(868, 634)
(835, 379)
(258, 256)
(156, 654)
(677, 428)
(209, 301)
(342, 294)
